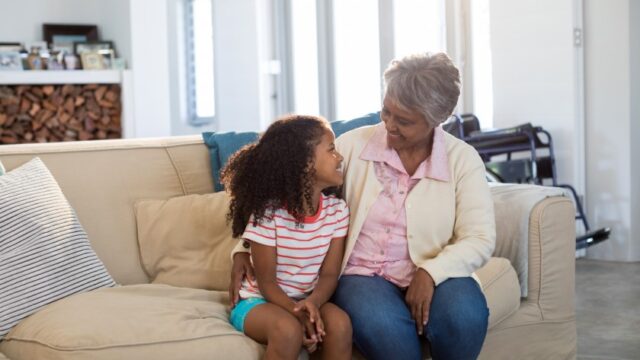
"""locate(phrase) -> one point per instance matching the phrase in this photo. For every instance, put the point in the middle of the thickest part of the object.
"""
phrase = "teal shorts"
(239, 313)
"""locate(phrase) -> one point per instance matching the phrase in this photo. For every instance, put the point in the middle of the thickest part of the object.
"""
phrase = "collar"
(434, 167)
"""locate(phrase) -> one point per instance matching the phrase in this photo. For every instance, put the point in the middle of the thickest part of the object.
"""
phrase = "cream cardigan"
(450, 224)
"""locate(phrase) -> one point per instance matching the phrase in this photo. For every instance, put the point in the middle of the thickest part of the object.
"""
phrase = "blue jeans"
(384, 329)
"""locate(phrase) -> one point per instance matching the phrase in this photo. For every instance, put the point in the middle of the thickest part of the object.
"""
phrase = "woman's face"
(328, 162)
(405, 130)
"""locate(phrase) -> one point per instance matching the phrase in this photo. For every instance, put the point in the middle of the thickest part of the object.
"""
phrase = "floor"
(608, 310)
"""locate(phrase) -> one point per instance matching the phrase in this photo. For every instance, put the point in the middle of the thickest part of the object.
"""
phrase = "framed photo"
(10, 46)
(62, 36)
(92, 60)
(10, 61)
(108, 57)
(81, 47)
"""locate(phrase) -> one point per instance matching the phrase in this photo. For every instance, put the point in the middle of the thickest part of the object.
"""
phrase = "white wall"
(535, 75)
(612, 166)
(150, 64)
(238, 59)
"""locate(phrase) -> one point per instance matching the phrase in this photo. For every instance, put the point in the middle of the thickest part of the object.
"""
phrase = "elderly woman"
(422, 222)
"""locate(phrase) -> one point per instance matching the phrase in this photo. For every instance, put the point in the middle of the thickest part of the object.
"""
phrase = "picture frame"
(92, 60)
(10, 46)
(10, 61)
(80, 47)
(108, 56)
(64, 35)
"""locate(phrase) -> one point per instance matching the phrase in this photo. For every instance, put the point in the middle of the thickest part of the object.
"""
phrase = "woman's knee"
(460, 309)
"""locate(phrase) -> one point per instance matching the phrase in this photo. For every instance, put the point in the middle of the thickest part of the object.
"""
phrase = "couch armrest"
(552, 247)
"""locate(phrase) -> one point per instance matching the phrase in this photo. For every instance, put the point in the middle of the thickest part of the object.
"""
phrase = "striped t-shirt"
(300, 249)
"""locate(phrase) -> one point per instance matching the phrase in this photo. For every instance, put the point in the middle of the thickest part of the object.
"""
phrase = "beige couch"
(104, 179)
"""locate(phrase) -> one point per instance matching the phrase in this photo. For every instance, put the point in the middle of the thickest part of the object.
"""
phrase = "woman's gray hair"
(427, 83)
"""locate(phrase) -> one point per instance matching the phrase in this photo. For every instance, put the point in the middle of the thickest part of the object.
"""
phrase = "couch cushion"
(132, 322)
(501, 288)
(186, 241)
(44, 252)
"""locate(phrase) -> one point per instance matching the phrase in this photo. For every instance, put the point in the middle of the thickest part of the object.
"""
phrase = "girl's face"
(328, 162)
(405, 130)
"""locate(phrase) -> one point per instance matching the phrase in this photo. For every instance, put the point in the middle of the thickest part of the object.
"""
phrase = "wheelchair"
(521, 154)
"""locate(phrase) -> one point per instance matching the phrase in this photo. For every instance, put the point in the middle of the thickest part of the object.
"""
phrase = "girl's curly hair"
(275, 172)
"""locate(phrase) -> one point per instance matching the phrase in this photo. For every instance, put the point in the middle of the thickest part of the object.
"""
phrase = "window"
(337, 58)
(200, 75)
(482, 69)
(357, 58)
(419, 26)
(304, 42)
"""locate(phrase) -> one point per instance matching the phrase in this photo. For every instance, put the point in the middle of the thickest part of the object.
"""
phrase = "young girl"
(284, 205)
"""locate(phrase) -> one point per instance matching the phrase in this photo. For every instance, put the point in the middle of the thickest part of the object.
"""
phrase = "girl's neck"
(312, 209)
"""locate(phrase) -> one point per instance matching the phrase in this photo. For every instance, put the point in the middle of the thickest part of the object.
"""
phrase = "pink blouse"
(381, 248)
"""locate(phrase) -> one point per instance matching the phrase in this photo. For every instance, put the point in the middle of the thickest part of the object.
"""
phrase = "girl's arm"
(329, 273)
(264, 262)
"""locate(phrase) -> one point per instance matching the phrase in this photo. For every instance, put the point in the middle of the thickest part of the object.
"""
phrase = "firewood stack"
(49, 113)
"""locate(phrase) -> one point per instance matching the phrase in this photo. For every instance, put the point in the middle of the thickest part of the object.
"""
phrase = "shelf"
(60, 77)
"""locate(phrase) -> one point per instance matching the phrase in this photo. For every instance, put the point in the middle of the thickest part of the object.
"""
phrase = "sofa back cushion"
(186, 241)
(44, 252)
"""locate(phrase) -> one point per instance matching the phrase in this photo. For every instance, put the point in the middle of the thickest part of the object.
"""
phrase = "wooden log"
(69, 105)
(48, 90)
(25, 105)
(99, 93)
(35, 107)
(31, 96)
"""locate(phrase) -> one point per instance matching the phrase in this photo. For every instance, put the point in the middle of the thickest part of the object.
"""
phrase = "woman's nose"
(390, 124)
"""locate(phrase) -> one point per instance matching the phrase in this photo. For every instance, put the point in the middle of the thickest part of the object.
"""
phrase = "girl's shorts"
(240, 311)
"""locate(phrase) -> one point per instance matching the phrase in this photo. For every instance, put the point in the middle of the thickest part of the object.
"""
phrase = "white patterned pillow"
(44, 251)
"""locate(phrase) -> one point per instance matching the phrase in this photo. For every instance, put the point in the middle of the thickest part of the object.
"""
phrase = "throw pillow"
(44, 251)
(185, 241)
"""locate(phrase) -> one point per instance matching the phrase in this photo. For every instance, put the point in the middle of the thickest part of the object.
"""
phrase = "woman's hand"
(241, 267)
(419, 296)
(308, 313)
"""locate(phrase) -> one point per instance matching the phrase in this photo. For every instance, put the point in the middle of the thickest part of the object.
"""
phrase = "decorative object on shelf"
(62, 36)
(92, 60)
(107, 58)
(56, 60)
(70, 61)
(10, 61)
(81, 47)
(119, 64)
(34, 60)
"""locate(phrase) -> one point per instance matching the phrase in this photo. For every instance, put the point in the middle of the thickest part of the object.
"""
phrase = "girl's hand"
(419, 296)
(307, 310)
(241, 267)
(310, 343)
